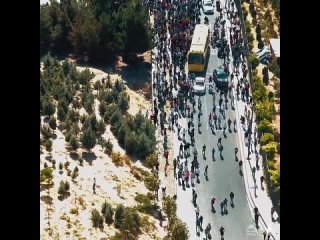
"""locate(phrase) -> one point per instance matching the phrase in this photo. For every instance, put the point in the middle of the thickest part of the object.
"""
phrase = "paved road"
(223, 175)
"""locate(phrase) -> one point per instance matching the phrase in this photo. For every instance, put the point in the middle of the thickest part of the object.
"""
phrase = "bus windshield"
(195, 58)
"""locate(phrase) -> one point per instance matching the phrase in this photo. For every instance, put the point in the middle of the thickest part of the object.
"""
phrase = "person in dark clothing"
(231, 198)
(221, 230)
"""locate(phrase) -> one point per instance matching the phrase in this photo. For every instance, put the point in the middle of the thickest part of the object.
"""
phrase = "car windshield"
(200, 84)
(221, 75)
(208, 4)
(195, 58)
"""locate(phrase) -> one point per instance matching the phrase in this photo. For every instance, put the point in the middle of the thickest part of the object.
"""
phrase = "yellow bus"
(198, 54)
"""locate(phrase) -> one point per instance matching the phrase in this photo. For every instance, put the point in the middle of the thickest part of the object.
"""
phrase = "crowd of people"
(174, 22)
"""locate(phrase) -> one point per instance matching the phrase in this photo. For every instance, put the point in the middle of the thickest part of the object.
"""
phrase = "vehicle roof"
(199, 38)
(199, 79)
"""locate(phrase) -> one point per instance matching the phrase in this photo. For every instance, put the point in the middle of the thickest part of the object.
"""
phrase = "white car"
(199, 85)
(207, 7)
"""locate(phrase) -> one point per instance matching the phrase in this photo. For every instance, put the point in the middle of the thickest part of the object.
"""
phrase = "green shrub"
(266, 138)
(131, 142)
(67, 136)
(169, 207)
(145, 205)
(73, 143)
(107, 212)
(253, 61)
(45, 131)
(151, 182)
(52, 123)
(108, 146)
(101, 127)
(270, 164)
(265, 126)
(151, 160)
(102, 108)
(122, 132)
(265, 110)
(123, 102)
(66, 164)
(270, 149)
(144, 147)
(95, 217)
(131, 222)
(46, 174)
(64, 187)
(251, 39)
(97, 85)
(88, 139)
(109, 112)
(178, 229)
(108, 215)
(119, 215)
(274, 67)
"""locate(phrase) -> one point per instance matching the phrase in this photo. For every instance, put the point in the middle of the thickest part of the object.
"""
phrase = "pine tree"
(88, 139)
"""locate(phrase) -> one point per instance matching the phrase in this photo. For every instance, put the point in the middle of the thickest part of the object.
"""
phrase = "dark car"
(220, 78)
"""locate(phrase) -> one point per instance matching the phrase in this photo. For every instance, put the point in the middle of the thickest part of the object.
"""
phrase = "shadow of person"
(221, 157)
(230, 131)
(198, 233)
(213, 210)
(236, 158)
(198, 180)
(207, 178)
(222, 238)
(232, 205)
(235, 130)
(226, 212)
(225, 135)
(240, 172)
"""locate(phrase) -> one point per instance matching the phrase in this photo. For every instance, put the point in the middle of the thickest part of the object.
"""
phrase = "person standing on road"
(197, 212)
(229, 124)
(264, 235)
(200, 221)
(254, 171)
(204, 150)
(213, 151)
(221, 231)
(213, 200)
(225, 203)
(231, 197)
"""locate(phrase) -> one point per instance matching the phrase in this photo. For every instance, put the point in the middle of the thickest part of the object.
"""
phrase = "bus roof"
(199, 38)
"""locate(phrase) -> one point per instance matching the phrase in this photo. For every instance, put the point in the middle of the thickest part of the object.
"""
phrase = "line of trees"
(97, 27)
(269, 137)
